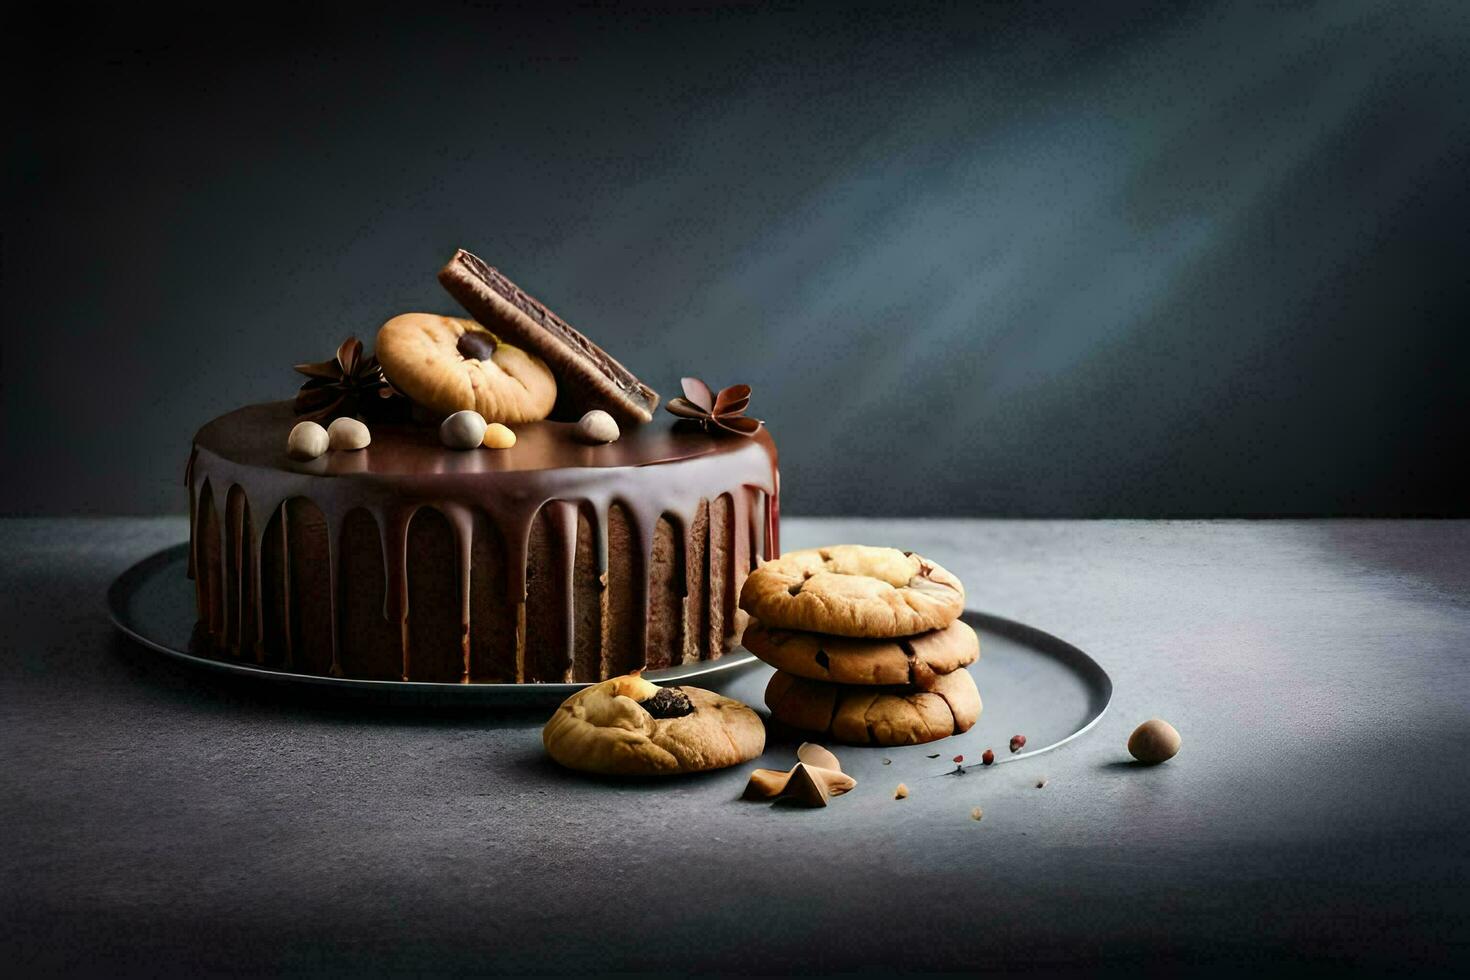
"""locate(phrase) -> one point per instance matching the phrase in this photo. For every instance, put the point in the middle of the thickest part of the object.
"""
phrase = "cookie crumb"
(934, 756)
(976, 813)
(959, 758)
(1041, 783)
(888, 762)
(902, 793)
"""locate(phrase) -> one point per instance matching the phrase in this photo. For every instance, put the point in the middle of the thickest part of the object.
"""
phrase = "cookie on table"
(448, 364)
(853, 590)
(876, 715)
(627, 726)
(915, 660)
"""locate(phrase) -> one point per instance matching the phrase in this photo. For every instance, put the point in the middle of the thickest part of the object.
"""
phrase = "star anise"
(349, 384)
(725, 411)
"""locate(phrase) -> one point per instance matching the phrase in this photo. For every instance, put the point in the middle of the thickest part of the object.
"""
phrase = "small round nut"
(597, 427)
(349, 434)
(307, 441)
(462, 430)
(498, 436)
(1153, 742)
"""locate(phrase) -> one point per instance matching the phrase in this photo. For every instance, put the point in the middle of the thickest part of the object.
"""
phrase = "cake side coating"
(550, 561)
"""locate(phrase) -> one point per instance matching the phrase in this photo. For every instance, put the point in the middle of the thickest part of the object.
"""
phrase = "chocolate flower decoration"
(725, 411)
(349, 384)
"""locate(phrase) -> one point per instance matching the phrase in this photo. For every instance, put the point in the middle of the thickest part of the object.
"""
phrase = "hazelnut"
(1153, 742)
(462, 430)
(597, 427)
(1018, 742)
(307, 441)
(988, 758)
(498, 436)
(976, 813)
(348, 434)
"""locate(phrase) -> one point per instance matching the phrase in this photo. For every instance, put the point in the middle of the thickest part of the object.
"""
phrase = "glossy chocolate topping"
(653, 471)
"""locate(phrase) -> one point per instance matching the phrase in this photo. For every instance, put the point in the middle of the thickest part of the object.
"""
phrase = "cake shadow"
(536, 764)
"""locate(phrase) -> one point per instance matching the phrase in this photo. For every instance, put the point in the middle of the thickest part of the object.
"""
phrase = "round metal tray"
(1032, 682)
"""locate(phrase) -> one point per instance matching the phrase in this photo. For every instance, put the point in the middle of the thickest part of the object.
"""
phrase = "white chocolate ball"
(349, 434)
(462, 430)
(307, 441)
(597, 427)
(498, 436)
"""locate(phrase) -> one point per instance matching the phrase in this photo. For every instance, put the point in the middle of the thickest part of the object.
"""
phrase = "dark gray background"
(1011, 260)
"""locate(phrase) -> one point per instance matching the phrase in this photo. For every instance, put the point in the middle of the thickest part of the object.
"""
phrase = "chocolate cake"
(551, 561)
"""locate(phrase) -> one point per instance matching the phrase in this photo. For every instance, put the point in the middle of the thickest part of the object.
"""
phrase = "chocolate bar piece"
(589, 376)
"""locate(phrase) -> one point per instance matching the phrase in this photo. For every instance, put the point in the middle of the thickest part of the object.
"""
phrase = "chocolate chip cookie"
(876, 715)
(914, 660)
(853, 590)
(628, 726)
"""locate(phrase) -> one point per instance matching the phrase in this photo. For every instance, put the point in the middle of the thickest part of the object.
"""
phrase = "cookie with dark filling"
(627, 726)
(448, 364)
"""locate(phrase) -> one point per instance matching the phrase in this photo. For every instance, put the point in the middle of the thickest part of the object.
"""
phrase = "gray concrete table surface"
(159, 819)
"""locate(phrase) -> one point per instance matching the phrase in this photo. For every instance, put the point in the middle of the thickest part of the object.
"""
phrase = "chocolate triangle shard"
(589, 376)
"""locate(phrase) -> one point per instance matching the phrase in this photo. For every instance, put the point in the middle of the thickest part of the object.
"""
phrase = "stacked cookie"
(867, 644)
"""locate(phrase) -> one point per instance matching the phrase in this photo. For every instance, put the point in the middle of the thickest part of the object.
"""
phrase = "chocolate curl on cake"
(723, 412)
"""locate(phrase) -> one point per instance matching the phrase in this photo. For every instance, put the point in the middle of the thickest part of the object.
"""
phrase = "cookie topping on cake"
(724, 412)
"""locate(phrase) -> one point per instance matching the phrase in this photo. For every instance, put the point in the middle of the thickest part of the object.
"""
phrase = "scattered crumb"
(902, 793)
(976, 813)
(934, 756)
(888, 762)
(959, 758)
(1040, 783)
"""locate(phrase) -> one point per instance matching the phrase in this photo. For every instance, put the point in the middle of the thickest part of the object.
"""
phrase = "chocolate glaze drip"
(252, 507)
